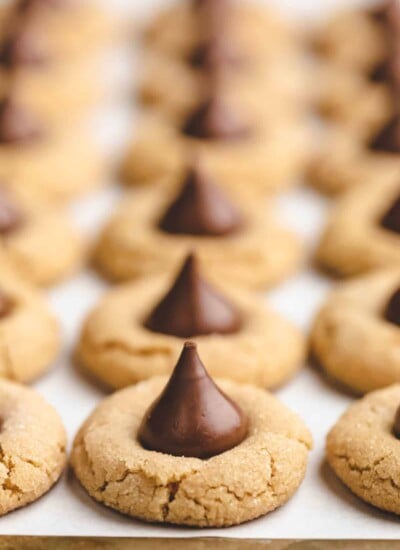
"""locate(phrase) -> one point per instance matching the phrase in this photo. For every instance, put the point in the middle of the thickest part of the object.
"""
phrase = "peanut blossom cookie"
(362, 100)
(44, 163)
(180, 30)
(363, 448)
(278, 75)
(190, 452)
(29, 333)
(356, 334)
(137, 329)
(152, 231)
(238, 146)
(281, 78)
(56, 89)
(363, 232)
(348, 98)
(32, 442)
(38, 240)
(346, 160)
(359, 38)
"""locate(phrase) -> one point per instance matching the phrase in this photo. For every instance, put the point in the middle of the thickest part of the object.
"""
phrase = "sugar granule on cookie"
(190, 450)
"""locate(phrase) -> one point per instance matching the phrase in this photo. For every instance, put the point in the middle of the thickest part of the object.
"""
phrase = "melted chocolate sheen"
(391, 219)
(11, 217)
(193, 308)
(388, 139)
(23, 47)
(216, 121)
(192, 417)
(201, 208)
(392, 311)
(17, 126)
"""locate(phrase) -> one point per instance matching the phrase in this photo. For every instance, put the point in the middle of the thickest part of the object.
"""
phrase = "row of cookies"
(188, 450)
(49, 79)
(190, 249)
(355, 334)
(224, 81)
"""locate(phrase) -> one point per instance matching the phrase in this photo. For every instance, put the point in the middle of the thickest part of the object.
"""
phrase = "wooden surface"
(89, 543)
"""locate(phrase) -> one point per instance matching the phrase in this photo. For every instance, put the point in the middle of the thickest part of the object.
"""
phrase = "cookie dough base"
(30, 334)
(345, 161)
(32, 446)
(351, 339)
(363, 452)
(47, 249)
(62, 167)
(118, 350)
(354, 242)
(244, 483)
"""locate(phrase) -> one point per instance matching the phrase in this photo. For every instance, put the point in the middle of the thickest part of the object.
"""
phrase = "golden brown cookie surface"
(119, 350)
(116, 470)
(363, 451)
(25, 319)
(355, 239)
(351, 338)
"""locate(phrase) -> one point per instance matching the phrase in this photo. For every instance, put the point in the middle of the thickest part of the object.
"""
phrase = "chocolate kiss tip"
(215, 120)
(17, 125)
(391, 219)
(192, 417)
(392, 311)
(388, 139)
(201, 208)
(191, 307)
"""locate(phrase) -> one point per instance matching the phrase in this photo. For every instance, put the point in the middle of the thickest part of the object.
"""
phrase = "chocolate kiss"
(396, 424)
(16, 124)
(391, 220)
(201, 208)
(392, 311)
(215, 120)
(192, 416)
(11, 217)
(23, 47)
(217, 52)
(388, 139)
(193, 308)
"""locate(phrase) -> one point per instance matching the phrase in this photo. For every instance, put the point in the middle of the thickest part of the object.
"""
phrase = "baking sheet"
(322, 508)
